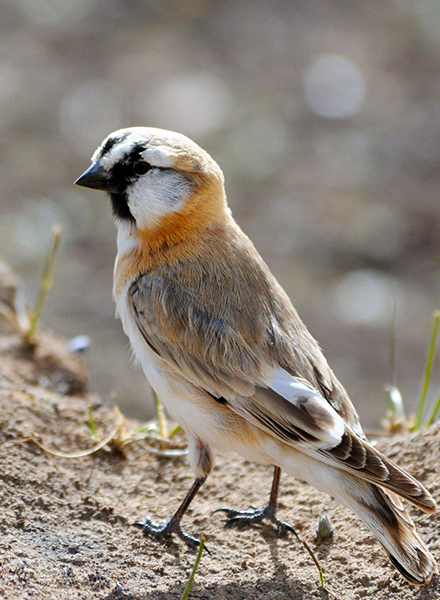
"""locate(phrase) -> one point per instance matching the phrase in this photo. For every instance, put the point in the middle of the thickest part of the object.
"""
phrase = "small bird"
(221, 344)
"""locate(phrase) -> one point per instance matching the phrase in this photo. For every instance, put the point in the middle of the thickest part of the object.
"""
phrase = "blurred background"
(325, 117)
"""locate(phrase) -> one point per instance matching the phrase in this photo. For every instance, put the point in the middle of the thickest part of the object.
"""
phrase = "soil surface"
(66, 524)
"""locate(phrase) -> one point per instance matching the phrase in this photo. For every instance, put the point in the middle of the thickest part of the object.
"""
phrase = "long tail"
(384, 514)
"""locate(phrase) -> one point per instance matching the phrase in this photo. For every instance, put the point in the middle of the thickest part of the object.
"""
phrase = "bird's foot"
(241, 518)
(163, 531)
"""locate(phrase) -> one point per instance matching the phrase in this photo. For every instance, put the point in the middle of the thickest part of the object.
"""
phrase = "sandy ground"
(66, 528)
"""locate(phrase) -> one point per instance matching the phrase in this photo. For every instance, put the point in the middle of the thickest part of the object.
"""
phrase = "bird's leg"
(200, 459)
(164, 530)
(241, 518)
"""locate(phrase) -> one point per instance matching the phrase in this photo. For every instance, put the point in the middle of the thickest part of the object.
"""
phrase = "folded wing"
(207, 350)
(299, 416)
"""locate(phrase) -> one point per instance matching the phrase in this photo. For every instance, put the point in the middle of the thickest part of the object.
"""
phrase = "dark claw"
(162, 531)
(241, 518)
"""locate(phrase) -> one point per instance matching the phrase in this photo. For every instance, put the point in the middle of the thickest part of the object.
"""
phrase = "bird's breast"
(143, 355)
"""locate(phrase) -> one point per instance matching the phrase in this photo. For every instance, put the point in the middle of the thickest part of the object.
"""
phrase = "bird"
(226, 352)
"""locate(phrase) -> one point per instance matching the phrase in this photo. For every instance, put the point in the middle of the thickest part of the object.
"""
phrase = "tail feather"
(355, 454)
(377, 503)
(404, 484)
(384, 514)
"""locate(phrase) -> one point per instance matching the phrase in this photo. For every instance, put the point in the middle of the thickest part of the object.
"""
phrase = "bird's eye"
(141, 167)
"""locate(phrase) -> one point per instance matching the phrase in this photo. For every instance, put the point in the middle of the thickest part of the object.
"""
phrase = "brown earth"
(66, 524)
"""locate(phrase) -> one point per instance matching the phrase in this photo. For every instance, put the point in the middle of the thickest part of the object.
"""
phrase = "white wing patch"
(306, 398)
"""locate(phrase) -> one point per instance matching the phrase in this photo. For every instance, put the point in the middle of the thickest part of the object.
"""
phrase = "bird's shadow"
(279, 579)
(261, 589)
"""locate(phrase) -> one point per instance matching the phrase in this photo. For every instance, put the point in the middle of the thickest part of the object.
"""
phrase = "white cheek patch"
(157, 194)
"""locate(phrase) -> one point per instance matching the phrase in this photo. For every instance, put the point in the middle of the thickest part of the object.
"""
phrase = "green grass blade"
(93, 432)
(428, 369)
(393, 346)
(313, 557)
(46, 282)
(194, 571)
(174, 431)
(160, 415)
(430, 421)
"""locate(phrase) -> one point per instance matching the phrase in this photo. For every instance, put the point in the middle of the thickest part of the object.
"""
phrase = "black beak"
(95, 177)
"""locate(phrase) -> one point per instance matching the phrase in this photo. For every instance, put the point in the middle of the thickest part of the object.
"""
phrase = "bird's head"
(156, 177)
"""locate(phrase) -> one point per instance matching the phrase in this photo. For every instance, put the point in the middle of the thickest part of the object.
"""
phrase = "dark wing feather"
(295, 422)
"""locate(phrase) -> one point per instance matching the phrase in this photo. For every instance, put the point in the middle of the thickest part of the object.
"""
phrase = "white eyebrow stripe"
(118, 152)
(158, 156)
